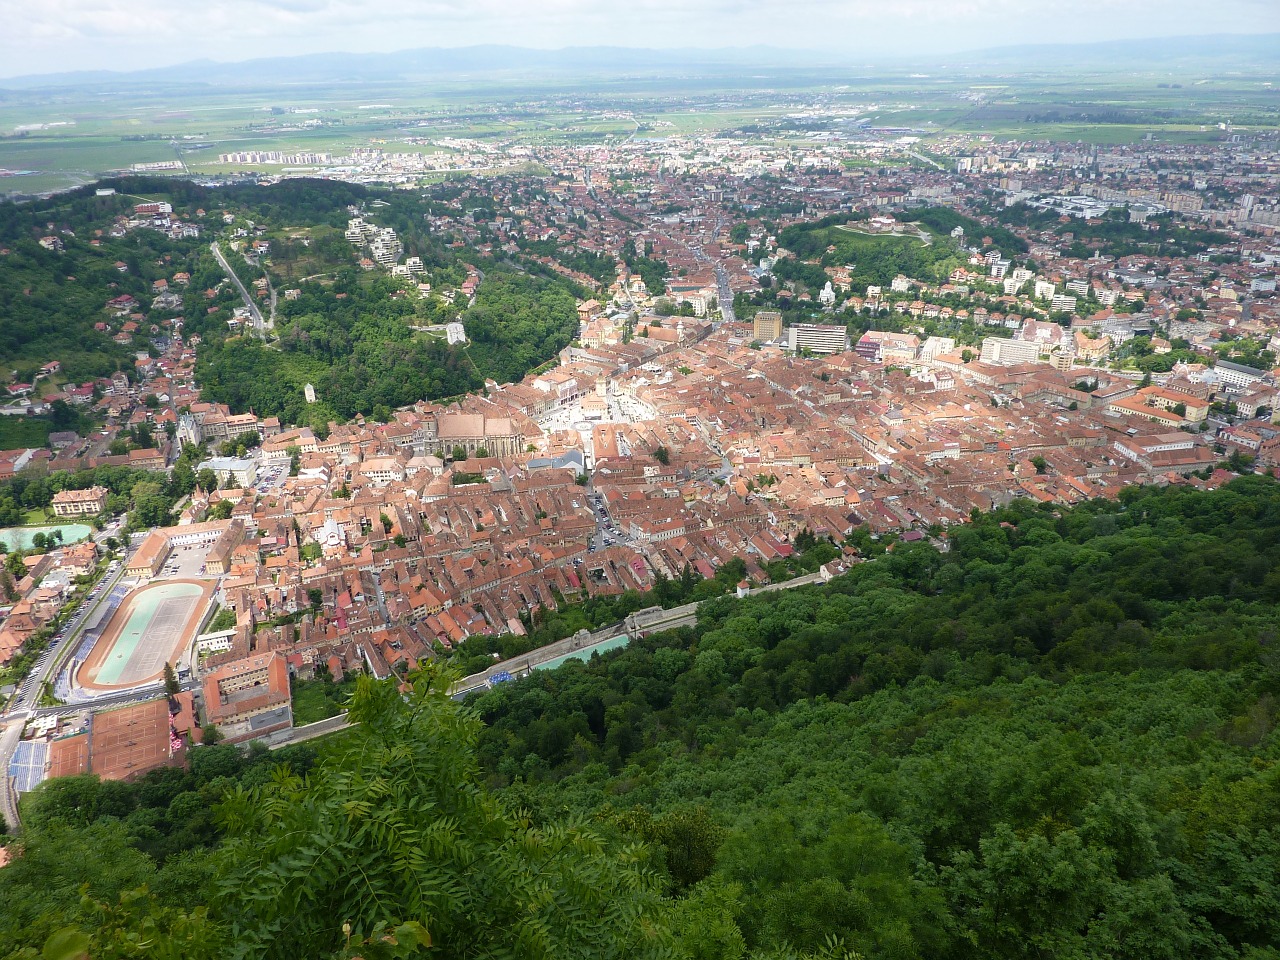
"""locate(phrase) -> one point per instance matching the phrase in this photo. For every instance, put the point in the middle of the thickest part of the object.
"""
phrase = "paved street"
(259, 325)
(24, 705)
(9, 738)
(65, 640)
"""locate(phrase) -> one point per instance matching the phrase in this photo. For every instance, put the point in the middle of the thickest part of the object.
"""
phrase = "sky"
(53, 36)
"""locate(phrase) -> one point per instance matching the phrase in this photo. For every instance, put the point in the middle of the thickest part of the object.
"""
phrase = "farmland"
(64, 137)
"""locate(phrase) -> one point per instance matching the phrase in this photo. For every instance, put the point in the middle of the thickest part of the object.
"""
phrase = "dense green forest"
(517, 323)
(51, 300)
(351, 339)
(942, 220)
(1056, 738)
(652, 271)
(600, 266)
(876, 259)
(1116, 236)
(347, 332)
(391, 849)
(359, 352)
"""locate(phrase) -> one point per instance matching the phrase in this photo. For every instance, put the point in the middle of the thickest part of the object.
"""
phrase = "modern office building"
(818, 338)
(767, 326)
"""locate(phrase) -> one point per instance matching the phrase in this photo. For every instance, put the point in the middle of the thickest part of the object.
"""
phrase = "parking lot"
(271, 474)
(608, 533)
(185, 563)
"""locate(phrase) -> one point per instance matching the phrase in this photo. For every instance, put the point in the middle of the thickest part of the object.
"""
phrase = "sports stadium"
(151, 627)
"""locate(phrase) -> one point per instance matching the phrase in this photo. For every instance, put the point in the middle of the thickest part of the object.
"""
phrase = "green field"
(17, 432)
(1103, 134)
(196, 123)
(864, 241)
(319, 699)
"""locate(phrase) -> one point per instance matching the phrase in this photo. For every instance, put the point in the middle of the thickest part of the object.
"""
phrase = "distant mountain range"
(478, 62)
(1225, 50)
(473, 62)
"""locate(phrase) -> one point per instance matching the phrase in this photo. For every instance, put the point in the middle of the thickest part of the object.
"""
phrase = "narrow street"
(724, 294)
(259, 325)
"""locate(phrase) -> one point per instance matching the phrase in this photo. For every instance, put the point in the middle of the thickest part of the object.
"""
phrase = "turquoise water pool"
(585, 653)
(19, 538)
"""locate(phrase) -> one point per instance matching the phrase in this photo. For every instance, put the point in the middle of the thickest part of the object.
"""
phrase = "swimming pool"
(19, 538)
(585, 653)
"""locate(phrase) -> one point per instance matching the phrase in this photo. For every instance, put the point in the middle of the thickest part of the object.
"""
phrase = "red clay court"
(69, 756)
(151, 628)
(120, 744)
(131, 740)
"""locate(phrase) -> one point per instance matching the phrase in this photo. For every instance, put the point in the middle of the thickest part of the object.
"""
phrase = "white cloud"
(57, 35)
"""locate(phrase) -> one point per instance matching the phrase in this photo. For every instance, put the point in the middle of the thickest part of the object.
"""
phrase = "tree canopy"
(1056, 738)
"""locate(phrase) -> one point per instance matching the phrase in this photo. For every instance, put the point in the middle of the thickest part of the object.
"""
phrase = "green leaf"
(413, 931)
(67, 944)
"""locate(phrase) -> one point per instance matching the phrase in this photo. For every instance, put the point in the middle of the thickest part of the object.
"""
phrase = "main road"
(724, 294)
(9, 738)
(259, 325)
(24, 705)
(28, 695)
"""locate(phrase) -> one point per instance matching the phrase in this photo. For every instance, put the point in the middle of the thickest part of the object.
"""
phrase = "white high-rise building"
(818, 338)
(1004, 353)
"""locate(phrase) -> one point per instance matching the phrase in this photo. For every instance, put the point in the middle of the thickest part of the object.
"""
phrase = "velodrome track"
(149, 629)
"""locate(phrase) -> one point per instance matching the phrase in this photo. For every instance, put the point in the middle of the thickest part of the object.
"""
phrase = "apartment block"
(818, 338)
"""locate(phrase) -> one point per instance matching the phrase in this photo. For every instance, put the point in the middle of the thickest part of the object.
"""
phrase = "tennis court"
(150, 628)
(69, 756)
(131, 740)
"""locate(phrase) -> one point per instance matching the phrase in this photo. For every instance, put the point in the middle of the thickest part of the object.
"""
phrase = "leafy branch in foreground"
(400, 832)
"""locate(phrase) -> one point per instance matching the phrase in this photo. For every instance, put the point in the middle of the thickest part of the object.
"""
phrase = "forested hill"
(52, 301)
(1056, 739)
(351, 332)
(353, 340)
(347, 331)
